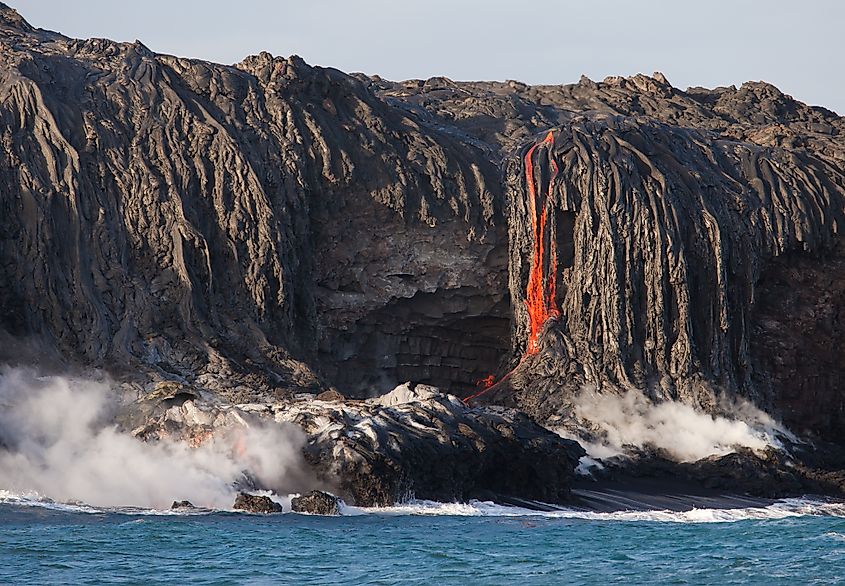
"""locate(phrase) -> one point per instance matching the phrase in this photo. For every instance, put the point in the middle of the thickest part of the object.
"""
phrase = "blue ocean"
(790, 542)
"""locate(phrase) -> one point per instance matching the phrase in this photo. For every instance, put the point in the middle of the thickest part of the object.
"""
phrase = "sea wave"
(33, 499)
(792, 507)
(781, 509)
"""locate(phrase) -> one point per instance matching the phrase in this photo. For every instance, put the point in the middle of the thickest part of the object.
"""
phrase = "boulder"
(418, 442)
(253, 503)
(332, 395)
(412, 442)
(182, 505)
(316, 502)
(406, 393)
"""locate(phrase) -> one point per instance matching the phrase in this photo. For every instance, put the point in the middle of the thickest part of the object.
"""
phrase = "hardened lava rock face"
(253, 503)
(268, 228)
(236, 224)
(638, 253)
(316, 502)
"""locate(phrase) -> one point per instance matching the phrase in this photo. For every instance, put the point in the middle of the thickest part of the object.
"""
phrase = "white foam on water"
(34, 499)
(835, 535)
(423, 507)
(794, 507)
(785, 508)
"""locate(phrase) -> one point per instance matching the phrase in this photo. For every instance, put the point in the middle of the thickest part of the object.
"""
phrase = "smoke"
(57, 439)
(683, 432)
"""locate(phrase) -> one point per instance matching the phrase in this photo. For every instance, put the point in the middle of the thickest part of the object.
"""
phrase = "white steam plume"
(56, 440)
(683, 432)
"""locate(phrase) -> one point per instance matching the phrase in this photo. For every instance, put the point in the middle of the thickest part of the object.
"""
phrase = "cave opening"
(449, 338)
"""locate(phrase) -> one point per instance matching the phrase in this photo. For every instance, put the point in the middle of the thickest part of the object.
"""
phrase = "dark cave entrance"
(449, 338)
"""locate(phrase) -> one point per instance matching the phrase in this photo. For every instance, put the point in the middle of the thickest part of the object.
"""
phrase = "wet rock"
(315, 502)
(375, 232)
(416, 441)
(746, 472)
(768, 474)
(182, 505)
(331, 395)
(252, 503)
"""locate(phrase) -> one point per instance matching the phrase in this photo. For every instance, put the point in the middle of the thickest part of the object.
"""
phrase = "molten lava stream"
(541, 303)
(540, 300)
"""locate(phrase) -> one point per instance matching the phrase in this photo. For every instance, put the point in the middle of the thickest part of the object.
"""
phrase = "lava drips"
(486, 382)
(541, 292)
(540, 298)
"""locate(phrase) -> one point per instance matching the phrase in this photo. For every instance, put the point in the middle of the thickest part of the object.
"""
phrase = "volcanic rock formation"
(238, 223)
(412, 441)
(315, 503)
(253, 503)
(649, 243)
(271, 228)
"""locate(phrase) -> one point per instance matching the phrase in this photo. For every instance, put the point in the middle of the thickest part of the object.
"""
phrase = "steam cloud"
(686, 434)
(56, 440)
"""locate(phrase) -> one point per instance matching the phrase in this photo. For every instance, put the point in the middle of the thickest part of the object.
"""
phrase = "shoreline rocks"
(418, 442)
(253, 503)
(412, 442)
(316, 502)
(769, 474)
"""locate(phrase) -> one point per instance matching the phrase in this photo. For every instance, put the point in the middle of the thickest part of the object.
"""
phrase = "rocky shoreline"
(275, 245)
(413, 442)
(418, 443)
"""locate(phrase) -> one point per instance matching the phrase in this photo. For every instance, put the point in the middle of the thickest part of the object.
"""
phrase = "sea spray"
(58, 440)
(683, 432)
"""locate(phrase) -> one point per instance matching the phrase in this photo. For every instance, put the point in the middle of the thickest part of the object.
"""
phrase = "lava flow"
(540, 298)
(540, 302)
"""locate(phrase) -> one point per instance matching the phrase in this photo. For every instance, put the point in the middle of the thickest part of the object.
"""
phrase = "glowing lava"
(486, 382)
(541, 293)
(540, 301)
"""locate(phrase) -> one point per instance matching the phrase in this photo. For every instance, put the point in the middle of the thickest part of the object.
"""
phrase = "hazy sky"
(799, 45)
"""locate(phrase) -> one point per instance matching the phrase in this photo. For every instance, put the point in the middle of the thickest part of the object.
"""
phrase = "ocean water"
(791, 542)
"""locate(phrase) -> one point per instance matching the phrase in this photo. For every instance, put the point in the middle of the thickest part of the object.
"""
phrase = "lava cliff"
(271, 227)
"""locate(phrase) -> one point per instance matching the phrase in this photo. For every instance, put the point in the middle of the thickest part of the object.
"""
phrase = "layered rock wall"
(271, 227)
(221, 223)
(657, 237)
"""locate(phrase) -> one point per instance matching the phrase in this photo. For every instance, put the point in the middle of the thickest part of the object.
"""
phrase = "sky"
(797, 45)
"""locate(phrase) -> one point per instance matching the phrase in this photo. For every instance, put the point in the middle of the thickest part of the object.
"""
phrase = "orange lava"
(540, 300)
(540, 297)
(486, 382)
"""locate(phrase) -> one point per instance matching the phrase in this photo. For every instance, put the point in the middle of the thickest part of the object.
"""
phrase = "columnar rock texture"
(662, 234)
(271, 227)
(233, 222)
(697, 240)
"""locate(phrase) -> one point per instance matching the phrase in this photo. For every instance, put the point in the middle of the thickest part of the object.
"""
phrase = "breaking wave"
(781, 509)
(794, 507)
